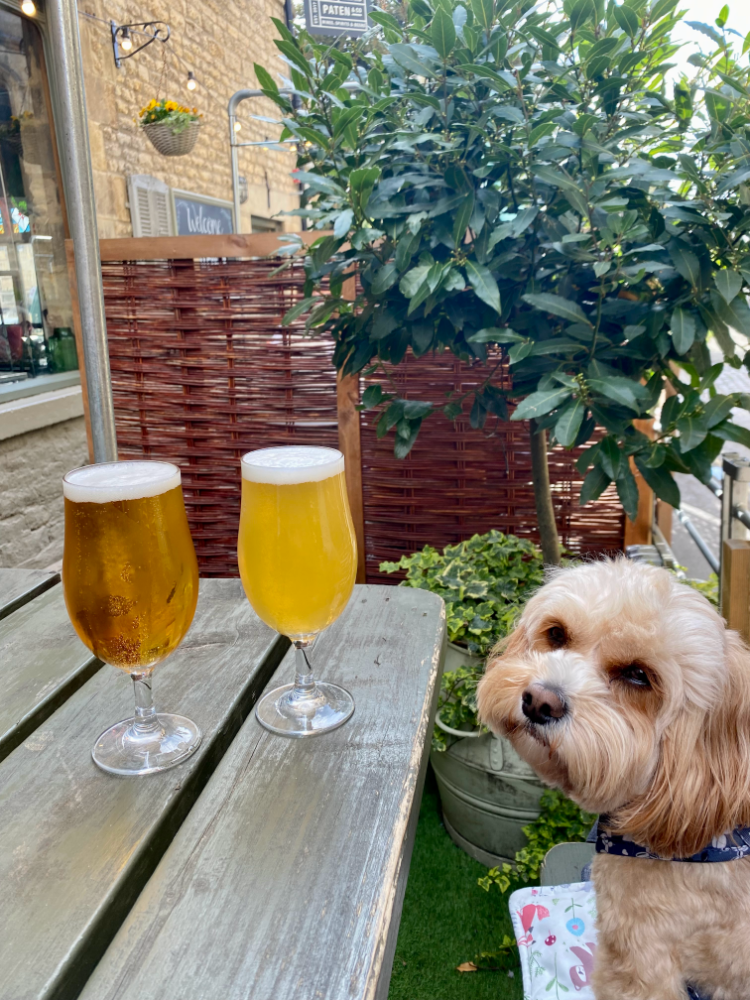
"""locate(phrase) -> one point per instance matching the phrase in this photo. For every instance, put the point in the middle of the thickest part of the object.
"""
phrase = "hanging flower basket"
(172, 128)
(170, 143)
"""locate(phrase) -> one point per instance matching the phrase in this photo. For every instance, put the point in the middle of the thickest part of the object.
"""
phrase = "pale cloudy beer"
(130, 575)
(297, 550)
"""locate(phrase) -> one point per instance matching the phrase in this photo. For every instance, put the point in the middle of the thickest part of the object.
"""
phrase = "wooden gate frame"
(237, 245)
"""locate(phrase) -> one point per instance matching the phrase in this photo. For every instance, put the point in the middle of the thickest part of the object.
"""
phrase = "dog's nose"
(542, 705)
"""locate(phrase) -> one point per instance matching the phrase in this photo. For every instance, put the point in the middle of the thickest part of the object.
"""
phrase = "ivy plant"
(482, 581)
(497, 172)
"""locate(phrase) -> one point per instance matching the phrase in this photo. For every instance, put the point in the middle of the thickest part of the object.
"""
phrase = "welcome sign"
(337, 17)
(200, 215)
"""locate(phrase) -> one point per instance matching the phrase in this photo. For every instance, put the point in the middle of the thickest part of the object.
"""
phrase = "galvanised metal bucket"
(488, 793)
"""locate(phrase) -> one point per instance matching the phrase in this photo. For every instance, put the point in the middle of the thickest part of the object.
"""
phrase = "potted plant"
(488, 793)
(171, 128)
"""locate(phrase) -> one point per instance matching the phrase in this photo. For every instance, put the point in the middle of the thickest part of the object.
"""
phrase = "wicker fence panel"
(458, 481)
(203, 371)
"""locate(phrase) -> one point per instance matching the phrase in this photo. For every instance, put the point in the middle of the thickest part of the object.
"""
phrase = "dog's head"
(623, 688)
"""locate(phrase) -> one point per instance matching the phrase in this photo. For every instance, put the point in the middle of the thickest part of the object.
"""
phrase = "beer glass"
(298, 560)
(130, 579)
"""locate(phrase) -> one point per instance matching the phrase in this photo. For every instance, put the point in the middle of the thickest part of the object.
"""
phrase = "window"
(150, 207)
(260, 225)
(36, 335)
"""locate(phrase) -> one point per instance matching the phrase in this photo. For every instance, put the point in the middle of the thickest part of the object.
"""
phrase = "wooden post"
(735, 585)
(638, 532)
(664, 519)
(347, 400)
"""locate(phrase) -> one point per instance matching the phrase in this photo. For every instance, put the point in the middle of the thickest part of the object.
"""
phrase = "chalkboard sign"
(199, 215)
(337, 17)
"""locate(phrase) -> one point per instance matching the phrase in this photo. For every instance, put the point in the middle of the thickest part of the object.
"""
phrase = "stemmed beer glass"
(130, 579)
(298, 561)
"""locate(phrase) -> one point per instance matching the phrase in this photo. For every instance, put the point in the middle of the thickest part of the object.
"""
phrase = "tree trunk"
(545, 512)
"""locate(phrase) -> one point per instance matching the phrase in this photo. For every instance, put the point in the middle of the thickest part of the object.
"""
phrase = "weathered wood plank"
(43, 663)
(78, 845)
(18, 586)
(285, 881)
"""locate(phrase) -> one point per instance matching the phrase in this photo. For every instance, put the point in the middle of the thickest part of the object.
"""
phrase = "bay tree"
(529, 176)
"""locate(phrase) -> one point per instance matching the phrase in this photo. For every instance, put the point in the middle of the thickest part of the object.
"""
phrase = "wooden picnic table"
(263, 867)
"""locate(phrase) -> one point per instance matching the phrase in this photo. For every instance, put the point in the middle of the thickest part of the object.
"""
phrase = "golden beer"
(297, 550)
(130, 575)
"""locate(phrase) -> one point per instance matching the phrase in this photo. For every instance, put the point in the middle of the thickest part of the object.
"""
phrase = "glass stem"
(304, 681)
(146, 721)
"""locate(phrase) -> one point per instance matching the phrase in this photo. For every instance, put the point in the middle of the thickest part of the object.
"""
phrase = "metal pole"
(62, 18)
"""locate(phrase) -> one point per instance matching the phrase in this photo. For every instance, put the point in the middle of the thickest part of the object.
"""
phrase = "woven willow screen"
(202, 371)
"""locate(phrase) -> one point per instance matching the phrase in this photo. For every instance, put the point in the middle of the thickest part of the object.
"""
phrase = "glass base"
(124, 750)
(290, 711)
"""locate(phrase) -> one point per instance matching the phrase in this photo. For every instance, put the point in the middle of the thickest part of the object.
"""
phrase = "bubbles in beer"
(293, 464)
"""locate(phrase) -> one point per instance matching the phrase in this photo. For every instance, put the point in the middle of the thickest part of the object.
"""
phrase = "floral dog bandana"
(727, 847)
(554, 928)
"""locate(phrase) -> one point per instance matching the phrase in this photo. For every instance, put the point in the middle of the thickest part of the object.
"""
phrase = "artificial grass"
(447, 919)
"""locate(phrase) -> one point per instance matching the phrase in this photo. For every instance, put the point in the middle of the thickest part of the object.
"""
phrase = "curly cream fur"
(669, 764)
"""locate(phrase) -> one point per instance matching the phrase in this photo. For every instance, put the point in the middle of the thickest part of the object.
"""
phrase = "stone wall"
(31, 501)
(219, 40)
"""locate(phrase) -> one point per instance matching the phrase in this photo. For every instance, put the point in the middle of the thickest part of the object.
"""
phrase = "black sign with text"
(195, 216)
(337, 17)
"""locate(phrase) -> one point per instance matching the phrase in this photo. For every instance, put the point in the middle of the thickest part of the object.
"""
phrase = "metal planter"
(488, 793)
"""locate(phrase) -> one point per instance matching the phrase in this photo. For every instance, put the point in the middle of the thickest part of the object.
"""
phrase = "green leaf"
(728, 283)
(384, 279)
(265, 79)
(443, 33)
(484, 12)
(692, 431)
(569, 422)
(538, 403)
(343, 223)
(407, 58)
(661, 483)
(558, 306)
(546, 128)
(593, 485)
(682, 325)
(319, 183)
(736, 314)
(620, 390)
(610, 457)
(582, 11)
(385, 20)
(494, 335)
(412, 280)
(718, 409)
(372, 396)
(461, 221)
(732, 432)
(627, 19)
(297, 310)
(685, 261)
(627, 491)
(483, 284)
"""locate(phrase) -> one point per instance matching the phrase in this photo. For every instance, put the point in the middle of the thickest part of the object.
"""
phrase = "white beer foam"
(292, 464)
(110, 481)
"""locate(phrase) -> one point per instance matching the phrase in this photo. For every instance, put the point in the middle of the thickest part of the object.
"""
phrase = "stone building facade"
(218, 41)
(42, 432)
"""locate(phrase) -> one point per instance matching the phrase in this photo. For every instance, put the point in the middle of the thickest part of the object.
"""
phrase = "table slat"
(17, 586)
(285, 882)
(78, 845)
(43, 663)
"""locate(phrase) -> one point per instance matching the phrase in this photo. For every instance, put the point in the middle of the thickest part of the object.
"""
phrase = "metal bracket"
(155, 30)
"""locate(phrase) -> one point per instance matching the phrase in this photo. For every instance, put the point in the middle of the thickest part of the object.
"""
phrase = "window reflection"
(35, 314)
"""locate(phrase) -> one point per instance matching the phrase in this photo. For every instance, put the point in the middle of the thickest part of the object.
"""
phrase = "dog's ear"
(701, 789)
(514, 644)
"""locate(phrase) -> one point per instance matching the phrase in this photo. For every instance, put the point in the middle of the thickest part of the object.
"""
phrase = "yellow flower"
(151, 105)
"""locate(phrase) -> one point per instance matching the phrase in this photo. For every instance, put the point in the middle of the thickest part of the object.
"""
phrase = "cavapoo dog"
(623, 688)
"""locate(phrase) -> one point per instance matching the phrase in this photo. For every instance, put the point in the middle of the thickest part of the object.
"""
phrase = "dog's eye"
(635, 675)
(556, 636)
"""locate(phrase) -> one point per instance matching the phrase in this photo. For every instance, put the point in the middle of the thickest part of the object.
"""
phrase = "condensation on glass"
(36, 336)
